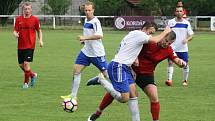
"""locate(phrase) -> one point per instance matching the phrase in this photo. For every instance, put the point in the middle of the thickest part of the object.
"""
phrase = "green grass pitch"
(54, 63)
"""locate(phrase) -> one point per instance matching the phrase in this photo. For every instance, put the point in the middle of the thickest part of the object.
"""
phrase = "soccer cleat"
(168, 82)
(25, 86)
(93, 81)
(184, 83)
(33, 79)
(93, 117)
(66, 96)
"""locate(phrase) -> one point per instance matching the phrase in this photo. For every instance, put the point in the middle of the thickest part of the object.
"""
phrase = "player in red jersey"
(150, 55)
(25, 30)
(144, 67)
(180, 4)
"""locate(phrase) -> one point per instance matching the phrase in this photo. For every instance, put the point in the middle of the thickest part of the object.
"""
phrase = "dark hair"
(179, 3)
(171, 36)
(149, 24)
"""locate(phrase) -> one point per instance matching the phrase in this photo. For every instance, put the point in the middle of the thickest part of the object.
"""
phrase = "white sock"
(134, 109)
(170, 70)
(186, 72)
(75, 84)
(109, 88)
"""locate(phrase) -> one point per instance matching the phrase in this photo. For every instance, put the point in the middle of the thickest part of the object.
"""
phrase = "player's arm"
(39, 32)
(16, 34)
(190, 34)
(156, 39)
(15, 31)
(189, 38)
(40, 37)
(97, 35)
(92, 37)
(179, 62)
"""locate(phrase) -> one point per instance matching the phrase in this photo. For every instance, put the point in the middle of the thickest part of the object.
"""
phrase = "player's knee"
(124, 99)
(26, 66)
(76, 71)
(154, 99)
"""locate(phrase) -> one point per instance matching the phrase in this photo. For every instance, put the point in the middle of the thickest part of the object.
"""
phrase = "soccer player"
(25, 30)
(180, 4)
(123, 88)
(93, 50)
(150, 55)
(184, 34)
(144, 66)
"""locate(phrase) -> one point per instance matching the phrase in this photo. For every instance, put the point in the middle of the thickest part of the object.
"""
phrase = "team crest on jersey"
(103, 59)
(21, 22)
(172, 24)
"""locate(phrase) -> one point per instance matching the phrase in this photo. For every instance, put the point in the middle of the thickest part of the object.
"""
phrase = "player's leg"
(151, 92)
(147, 84)
(170, 70)
(106, 101)
(33, 75)
(184, 56)
(119, 74)
(76, 79)
(24, 58)
(133, 103)
(102, 65)
(29, 58)
(81, 62)
(20, 54)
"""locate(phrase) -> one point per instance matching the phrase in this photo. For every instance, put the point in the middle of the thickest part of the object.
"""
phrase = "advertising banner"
(212, 23)
(131, 22)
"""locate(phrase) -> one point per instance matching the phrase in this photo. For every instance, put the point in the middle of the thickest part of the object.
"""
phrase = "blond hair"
(26, 4)
(90, 3)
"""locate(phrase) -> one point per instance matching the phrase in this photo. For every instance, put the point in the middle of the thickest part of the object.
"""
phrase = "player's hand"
(41, 43)
(136, 62)
(81, 39)
(184, 41)
(16, 34)
(182, 63)
(167, 29)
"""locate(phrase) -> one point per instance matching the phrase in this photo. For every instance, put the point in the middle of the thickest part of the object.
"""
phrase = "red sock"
(155, 110)
(107, 100)
(27, 76)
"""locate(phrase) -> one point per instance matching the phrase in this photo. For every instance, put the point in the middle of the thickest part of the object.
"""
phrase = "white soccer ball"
(70, 104)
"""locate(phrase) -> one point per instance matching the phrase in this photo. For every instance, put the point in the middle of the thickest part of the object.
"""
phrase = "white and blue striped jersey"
(130, 47)
(183, 30)
(93, 48)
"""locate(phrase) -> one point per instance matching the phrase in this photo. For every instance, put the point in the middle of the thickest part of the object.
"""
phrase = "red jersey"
(27, 28)
(150, 56)
(184, 13)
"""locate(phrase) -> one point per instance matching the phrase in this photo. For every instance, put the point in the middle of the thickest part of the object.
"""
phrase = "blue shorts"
(99, 62)
(183, 56)
(120, 76)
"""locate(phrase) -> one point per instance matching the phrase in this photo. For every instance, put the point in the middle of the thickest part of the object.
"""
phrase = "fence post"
(14, 20)
(53, 22)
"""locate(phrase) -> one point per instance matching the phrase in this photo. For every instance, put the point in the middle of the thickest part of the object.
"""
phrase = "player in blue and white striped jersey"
(184, 34)
(122, 86)
(93, 50)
